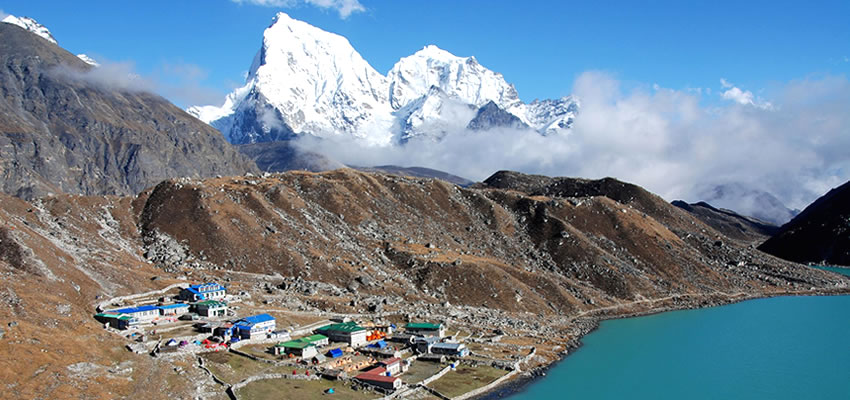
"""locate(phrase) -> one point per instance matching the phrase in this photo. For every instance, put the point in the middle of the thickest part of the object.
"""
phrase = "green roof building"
(302, 347)
(346, 332)
(426, 329)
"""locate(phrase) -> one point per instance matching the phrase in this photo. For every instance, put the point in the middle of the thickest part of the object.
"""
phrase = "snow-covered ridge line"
(30, 25)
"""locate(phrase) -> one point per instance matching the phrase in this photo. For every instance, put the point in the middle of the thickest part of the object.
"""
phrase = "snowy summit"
(30, 25)
(304, 80)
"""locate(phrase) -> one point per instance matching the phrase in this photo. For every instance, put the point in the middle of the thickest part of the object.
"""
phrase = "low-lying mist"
(681, 144)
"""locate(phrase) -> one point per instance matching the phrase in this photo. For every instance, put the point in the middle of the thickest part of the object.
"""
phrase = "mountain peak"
(305, 80)
(31, 25)
(460, 77)
(432, 51)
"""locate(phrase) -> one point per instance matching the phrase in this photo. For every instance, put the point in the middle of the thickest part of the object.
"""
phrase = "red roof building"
(378, 377)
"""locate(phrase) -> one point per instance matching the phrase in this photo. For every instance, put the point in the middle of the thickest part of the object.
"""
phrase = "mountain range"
(305, 81)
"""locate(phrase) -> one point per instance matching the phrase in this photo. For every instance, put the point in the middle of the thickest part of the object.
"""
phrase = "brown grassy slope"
(56, 256)
(479, 246)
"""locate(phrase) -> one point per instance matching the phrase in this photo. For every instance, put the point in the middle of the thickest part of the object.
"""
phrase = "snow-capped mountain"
(308, 81)
(30, 25)
(433, 115)
(305, 80)
(553, 115)
(460, 77)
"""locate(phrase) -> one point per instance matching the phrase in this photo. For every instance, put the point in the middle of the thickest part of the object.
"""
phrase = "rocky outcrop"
(491, 116)
(66, 126)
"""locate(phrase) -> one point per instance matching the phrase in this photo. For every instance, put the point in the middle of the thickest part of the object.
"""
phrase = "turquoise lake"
(777, 348)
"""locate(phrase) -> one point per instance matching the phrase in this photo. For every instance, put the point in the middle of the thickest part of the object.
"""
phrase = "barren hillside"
(505, 255)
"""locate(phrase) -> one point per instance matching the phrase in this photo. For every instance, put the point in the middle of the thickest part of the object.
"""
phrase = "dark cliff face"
(819, 234)
(491, 116)
(729, 223)
(62, 129)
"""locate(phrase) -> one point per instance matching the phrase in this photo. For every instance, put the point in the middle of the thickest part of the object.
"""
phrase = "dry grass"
(421, 370)
(465, 379)
(302, 390)
(232, 368)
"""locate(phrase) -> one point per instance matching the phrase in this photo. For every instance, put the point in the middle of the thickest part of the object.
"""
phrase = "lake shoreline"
(587, 326)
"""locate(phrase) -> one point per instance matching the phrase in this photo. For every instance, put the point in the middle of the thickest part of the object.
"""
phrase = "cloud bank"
(681, 144)
(344, 7)
(181, 83)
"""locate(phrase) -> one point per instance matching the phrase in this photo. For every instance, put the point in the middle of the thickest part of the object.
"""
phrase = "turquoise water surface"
(840, 270)
(777, 348)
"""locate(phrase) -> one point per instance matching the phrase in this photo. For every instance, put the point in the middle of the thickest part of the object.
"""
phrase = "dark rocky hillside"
(729, 223)
(64, 129)
(819, 234)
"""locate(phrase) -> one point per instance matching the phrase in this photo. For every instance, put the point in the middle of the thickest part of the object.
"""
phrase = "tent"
(379, 344)
(171, 342)
(334, 353)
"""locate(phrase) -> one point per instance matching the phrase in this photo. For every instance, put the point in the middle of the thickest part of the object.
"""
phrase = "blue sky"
(540, 46)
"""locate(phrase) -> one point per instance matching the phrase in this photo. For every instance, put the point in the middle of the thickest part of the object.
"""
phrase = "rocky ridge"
(731, 224)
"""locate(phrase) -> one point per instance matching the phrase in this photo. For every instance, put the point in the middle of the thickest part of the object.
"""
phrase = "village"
(254, 355)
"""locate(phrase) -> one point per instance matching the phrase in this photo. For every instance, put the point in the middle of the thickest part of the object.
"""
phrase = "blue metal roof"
(206, 287)
(254, 319)
(171, 306)
(133, 310)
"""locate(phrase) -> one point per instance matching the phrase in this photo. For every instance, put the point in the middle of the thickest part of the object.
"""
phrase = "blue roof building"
(203, 291)
(254, 326)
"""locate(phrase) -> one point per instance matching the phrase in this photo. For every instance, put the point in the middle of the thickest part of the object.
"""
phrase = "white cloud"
(740, 96)
(664, 140)
(3, 15)
(344, 7)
